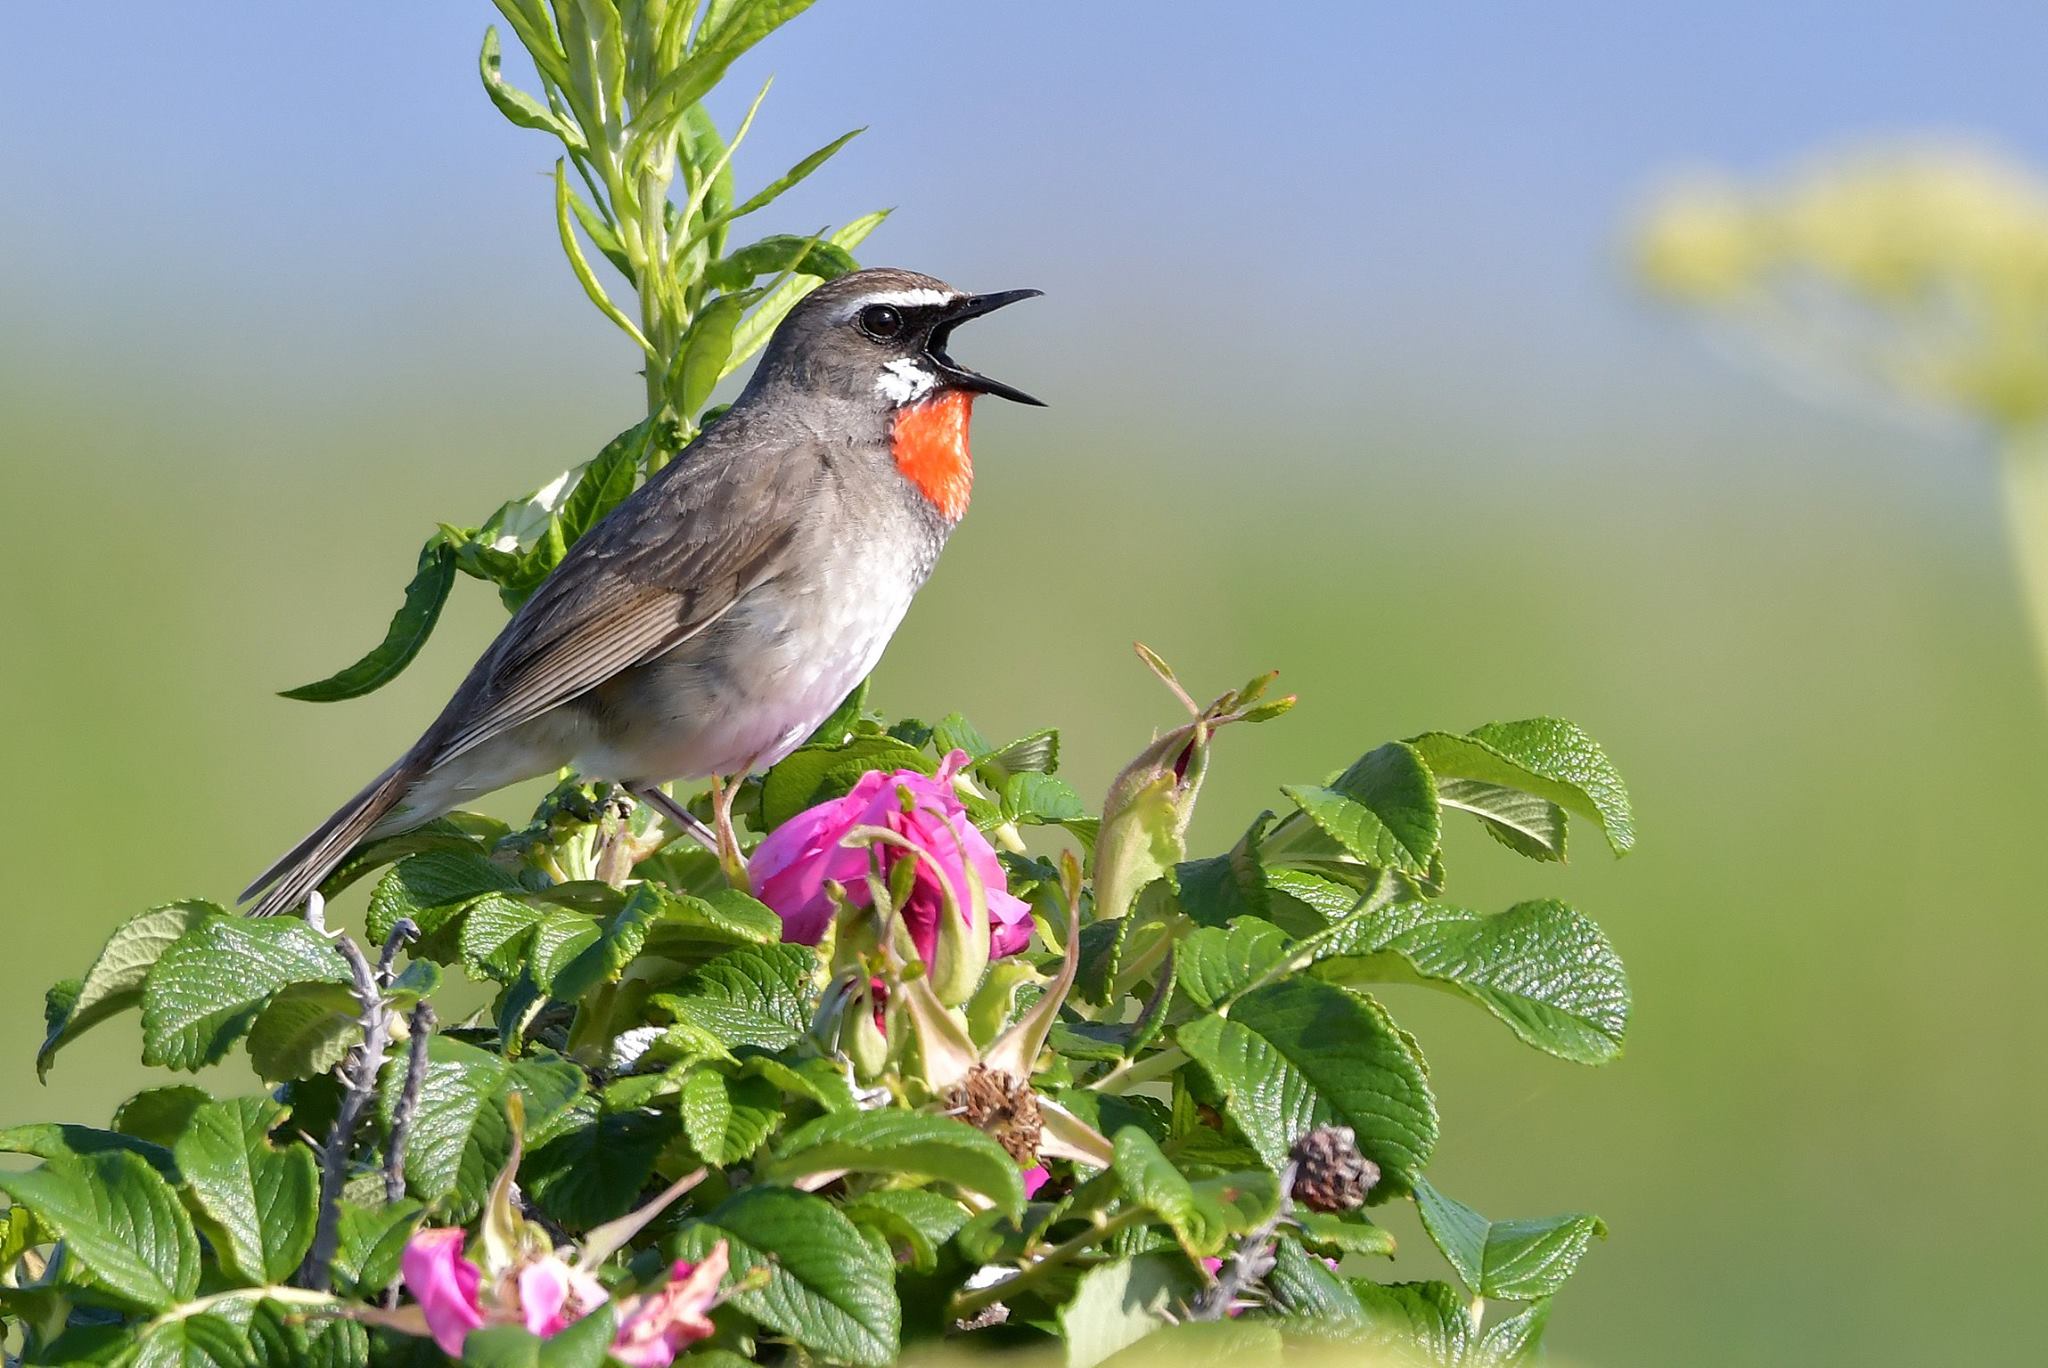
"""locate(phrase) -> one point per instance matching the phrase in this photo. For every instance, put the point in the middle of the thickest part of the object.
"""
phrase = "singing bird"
(711, 621)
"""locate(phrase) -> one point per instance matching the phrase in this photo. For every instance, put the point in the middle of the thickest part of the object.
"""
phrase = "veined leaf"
(1115, 1305)
(460, 1138)
(1540, 755)
(727, 1119)
(410, 627)
(1216, 963)
(206, 990)
(754, 995)
(120, 1223)
(594, 1169)
(828, 1288)
(1149, 1179)
(1299, 1054)
(1541, 967)
(254, 1201)
(1512, 1260)
(1523, 822)
(114, 983)
(1383, 811)
(900, 1142)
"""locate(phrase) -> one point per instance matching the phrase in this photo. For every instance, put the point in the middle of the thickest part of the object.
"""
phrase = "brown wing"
(662, 567)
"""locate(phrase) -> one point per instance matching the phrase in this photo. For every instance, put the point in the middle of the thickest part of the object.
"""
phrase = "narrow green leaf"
(771, 256)
(760, 323)
(516, 105)
(254, 1201)
(900, 1142)
(410, 627)
(120, 1223)
(705, 352)
(770, 192)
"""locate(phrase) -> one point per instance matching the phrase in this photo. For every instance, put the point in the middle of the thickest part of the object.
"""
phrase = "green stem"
(2024, 459)
(1134, 1073)
(967, 1303)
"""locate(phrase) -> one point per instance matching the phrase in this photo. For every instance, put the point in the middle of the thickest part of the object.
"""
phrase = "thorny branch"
(358, 1075)
(421, 1025)
(1248, 1264)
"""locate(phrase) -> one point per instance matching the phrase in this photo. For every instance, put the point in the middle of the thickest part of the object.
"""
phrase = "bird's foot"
(729, 856)
(680, 815)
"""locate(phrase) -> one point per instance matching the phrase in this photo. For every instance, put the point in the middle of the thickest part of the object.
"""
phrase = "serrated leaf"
(206, 990)
(125, 1235)
(1516, 1339)
(1117, 1304)
(430, 888)
(253, 1201)
(114, 982)
(372, 1240)
(1149, 1179)
(1299, 1054)
(68, 1140)
(900, 1142)
(828, 1288)
(159, 1115)
(1541, 755)
(690, 924)
(1040, 799)
(1523, 822)
(754, 995)
(410, 627)
(727, 1119)
(459, 1138)
(608, 953)
(1511, 1260)
(305, 1031)
(1540, 967)
(1219, 890)
(1215, 963)
(206, 1340)
(1347, 1233)
(918, 1217)
(1424, 1317)
(594, 1169)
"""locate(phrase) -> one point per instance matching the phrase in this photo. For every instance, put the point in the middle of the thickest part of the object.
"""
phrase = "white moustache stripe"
(904, 381)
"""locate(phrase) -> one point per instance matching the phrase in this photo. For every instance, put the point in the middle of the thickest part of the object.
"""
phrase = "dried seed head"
(1330, 1174)
(1002, 1105)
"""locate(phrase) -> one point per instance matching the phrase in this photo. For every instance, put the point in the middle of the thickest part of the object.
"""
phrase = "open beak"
(974, 306)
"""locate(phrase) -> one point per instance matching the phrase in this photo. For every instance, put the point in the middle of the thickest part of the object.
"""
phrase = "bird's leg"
(677, 813)
(722, 795)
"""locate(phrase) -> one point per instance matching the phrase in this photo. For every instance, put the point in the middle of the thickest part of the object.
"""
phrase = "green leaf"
(1216, 963)
(827, 1287)
(1117, 1304)
(754, 995)
(1516, 1339)
(606, 956)
(68, 1140)
(773, 255)
(1219, 890)
(1544, 756)
(593, 1170)
(206, 1340)
(1523, 822)
(120, 1223)
(801, 779)
(768, 193)
(431, 888)
(581, 1345)
(516, 105)
(114, 983)
(284, 1336)
(1424, 1317)
(760, 324)
(371, 1244)
(410, 627)
(900, 1142)
(309, 1027)
(158, 1116)
(1040, 799)
(1314, 1296)
(919, 1217)
(206, 990)
(691, 924)
(1299, 1054)
(253, 1201)
(1541, 967)
(1232, 1343)
(727, 1119)
(1512, 1260)
(1345, 1233)
(701, 361)
(1149, 1179)
(1382, 811)
(459, 1137)
(468, 832)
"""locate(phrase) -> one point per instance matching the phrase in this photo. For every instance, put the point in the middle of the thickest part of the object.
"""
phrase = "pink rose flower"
(1034, 1179)
(791, 866)
(547, 1294)
(445, 1285)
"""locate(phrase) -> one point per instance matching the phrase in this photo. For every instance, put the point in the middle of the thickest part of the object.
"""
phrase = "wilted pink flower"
(445, 1285)
(791, 866)
(547, 1294)
(658, 1325)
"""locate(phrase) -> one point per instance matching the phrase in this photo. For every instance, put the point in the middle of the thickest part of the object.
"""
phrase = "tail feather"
(301, 869)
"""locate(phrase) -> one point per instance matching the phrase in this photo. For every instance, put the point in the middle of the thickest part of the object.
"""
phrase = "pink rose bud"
(790, 868)
(445, 1285)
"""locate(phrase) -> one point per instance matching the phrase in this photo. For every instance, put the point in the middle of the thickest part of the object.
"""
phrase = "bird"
(710, 622)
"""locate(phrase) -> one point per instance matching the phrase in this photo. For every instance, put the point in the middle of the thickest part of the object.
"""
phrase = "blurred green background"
(1347, 378)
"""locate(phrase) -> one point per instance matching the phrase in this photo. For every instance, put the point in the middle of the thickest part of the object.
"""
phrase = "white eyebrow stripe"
(902, 299)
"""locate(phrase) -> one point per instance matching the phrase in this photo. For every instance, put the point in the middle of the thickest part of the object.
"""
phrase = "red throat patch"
(929, 441)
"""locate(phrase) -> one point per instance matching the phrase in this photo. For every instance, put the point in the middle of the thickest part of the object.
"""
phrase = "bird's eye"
(880, 322)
